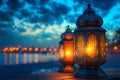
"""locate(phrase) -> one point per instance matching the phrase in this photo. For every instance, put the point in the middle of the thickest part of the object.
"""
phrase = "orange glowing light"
(61, 55)
(44, 49)
(89, 50)
(61, 51)
(69, 37)
(115, 48)
(30, 49)
(24, 49)
(16, 49)
(36, 49)
(68, 68)
(68, 53)
(55, 49)
(5, 49)
(106, 44)
(13, 48)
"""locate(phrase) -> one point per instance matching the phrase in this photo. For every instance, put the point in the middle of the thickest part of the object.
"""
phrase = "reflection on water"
(30, 58)
(5, 59)
(36, 58)
(24, 58)
(16, 55)
(10, 58)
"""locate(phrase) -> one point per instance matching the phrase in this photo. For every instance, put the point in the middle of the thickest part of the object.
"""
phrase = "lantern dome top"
(67, 35)
(89, 19)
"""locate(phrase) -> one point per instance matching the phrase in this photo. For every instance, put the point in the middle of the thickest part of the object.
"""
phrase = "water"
(112, 60)
(25, 58)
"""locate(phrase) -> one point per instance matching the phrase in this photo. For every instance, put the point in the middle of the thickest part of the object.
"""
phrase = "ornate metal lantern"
(66, 51)
(90, 45)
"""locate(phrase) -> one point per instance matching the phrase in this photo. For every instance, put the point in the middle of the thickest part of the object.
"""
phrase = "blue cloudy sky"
(39, 23)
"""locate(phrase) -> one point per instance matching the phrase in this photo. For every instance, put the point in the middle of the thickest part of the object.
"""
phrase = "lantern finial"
(68, 26)
(88, 1)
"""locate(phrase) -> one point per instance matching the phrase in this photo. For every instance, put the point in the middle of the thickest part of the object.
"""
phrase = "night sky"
(39, 23)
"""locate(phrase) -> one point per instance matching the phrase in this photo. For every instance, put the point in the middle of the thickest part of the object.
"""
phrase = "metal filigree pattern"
(80, 46)
(102, 45)
(92, 49)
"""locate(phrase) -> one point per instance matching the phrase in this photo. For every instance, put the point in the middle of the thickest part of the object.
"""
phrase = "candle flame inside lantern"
(89, 50)
(68, 53)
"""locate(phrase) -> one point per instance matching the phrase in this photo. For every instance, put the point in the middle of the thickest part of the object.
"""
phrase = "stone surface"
(111, 75)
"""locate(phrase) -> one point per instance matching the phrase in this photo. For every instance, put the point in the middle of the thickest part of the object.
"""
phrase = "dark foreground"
(10, 71)
(61, 76)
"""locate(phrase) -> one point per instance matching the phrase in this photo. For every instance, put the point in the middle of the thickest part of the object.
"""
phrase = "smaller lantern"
(66, 51)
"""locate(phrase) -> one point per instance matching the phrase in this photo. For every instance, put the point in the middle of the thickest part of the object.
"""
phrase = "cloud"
(104, 4)
(6, 25)
(29, 31)
(14, 5)
(42, 2)
(5, 16)
(48, 39)
(115, 17)
(25, 13)
(30, 1)
(54, 13)
(43, 21)
(1, 2)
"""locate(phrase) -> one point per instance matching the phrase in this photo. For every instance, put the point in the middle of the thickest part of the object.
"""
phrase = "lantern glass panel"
(69, 51)
(80, 46)
(61, 54)
(91, 48)
(102, 46)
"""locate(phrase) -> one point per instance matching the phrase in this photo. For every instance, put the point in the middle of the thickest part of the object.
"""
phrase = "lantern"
(66, 51)
(90, 45)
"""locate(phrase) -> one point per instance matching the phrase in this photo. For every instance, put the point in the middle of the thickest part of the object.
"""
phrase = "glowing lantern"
(24, 49)
(30, 49)
(66, 51)
(5, 50)
(115, 48)
(106, 44)
(36, 49)
(90, 45)
(44, 49)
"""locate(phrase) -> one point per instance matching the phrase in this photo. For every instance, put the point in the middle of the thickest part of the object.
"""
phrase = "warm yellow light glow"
(68, 53)
(30, 49)
(89, 50)
(106, 44)
(36, 49)
(115, 48)
(61, 55)
(68, 68)
(16, 49)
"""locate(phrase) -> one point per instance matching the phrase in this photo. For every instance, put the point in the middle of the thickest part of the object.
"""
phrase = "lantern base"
(67, 69)
(84, 72)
